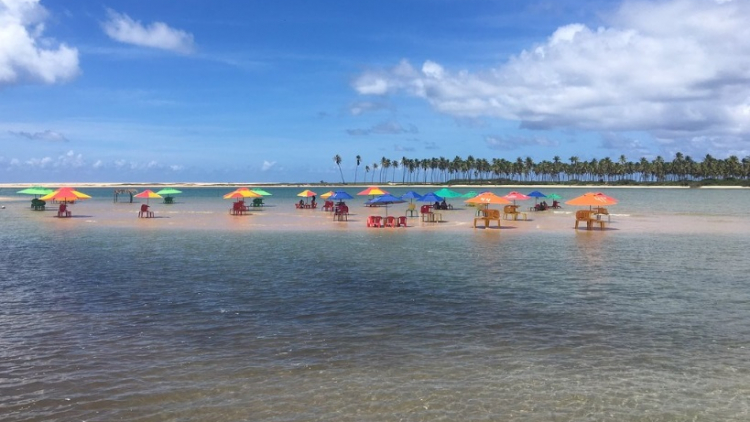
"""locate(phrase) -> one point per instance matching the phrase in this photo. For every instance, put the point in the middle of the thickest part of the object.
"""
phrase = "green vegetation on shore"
(681, 171)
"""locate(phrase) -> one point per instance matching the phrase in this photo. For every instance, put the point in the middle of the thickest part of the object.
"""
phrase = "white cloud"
(120, 27)
(267, 165)
(25, 55)
(47, 135)
(678, 68)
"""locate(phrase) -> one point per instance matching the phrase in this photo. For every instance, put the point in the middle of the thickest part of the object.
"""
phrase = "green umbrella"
(36, 190)
(469, 194)
(447, 193)
(554, 196)
(260, 192)
(169, 191)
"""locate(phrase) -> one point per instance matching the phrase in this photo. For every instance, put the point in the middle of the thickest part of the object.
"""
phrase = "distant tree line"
(682, 169)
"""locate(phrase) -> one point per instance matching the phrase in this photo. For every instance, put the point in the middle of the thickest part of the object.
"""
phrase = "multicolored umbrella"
(327, 194)
(306, 193)
(241, 193)
(65, 194)
(148, 194)
(373, 190)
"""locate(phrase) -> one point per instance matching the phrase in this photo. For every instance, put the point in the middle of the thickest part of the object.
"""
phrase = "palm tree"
(359, 160)
(337, 160)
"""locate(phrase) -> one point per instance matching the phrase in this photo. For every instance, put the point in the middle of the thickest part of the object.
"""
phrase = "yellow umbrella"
(65, 194)
(327, 194)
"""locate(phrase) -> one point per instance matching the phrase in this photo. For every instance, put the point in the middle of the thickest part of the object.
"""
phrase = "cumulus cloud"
(25, 54)
(121, 27)
(47, 135)
(676, 68)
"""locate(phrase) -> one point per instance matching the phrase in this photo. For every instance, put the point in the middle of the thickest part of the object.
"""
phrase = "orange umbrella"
(65, 194)
(592, 199)
(373, 190)
(487, 198)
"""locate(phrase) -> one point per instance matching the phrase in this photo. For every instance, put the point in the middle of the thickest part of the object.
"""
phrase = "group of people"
(543, 205)
(440, 205)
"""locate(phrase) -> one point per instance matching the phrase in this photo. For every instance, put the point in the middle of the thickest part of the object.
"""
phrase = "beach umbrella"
(65, 194)
(487, 198)
(306, 193)
(36, 190)
(514, 196)
(241, 193)
(447, 193)
(386, 200)
(536, 195)
(261, 192)
(373, 190)
(592, 199)
(148, 194)
(431, 198)
(554, 196)
(411, 196)
(169, 191)
(469, 194)
(340, 195)
(327, 194)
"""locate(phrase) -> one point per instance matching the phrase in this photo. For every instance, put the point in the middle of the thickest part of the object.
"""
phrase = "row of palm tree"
(477, 170)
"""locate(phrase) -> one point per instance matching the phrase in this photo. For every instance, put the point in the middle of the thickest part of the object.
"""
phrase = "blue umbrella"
(536, 194)
(340, 195)
(385, 200)
(430, 197)
(411, 195)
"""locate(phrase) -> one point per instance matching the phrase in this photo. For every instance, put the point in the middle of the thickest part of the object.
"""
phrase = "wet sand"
(283, 216)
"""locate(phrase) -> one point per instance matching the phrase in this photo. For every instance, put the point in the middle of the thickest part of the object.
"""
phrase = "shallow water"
(102, 322)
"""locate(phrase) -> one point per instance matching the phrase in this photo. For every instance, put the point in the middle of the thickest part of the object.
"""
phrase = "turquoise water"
(110, 323)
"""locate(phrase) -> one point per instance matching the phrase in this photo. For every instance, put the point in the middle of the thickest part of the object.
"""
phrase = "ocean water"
(103, 322)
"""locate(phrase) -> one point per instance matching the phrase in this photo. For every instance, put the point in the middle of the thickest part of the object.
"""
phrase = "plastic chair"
(390, 221)
(144, 212)
(63, 211)
(401, 221)
(374, 221)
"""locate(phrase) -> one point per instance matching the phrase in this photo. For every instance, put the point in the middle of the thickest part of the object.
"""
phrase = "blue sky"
(270, 91)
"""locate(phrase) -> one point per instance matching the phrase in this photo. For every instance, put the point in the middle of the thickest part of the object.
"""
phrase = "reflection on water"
(109, 323)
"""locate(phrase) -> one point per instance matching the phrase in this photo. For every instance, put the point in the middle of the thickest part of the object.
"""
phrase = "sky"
(270, 91)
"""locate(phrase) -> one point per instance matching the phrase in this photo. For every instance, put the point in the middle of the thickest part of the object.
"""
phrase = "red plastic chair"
(144, 212)
(63, 211)
(390, 221)
(237, 209)
(401, 221)
(374, 221)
